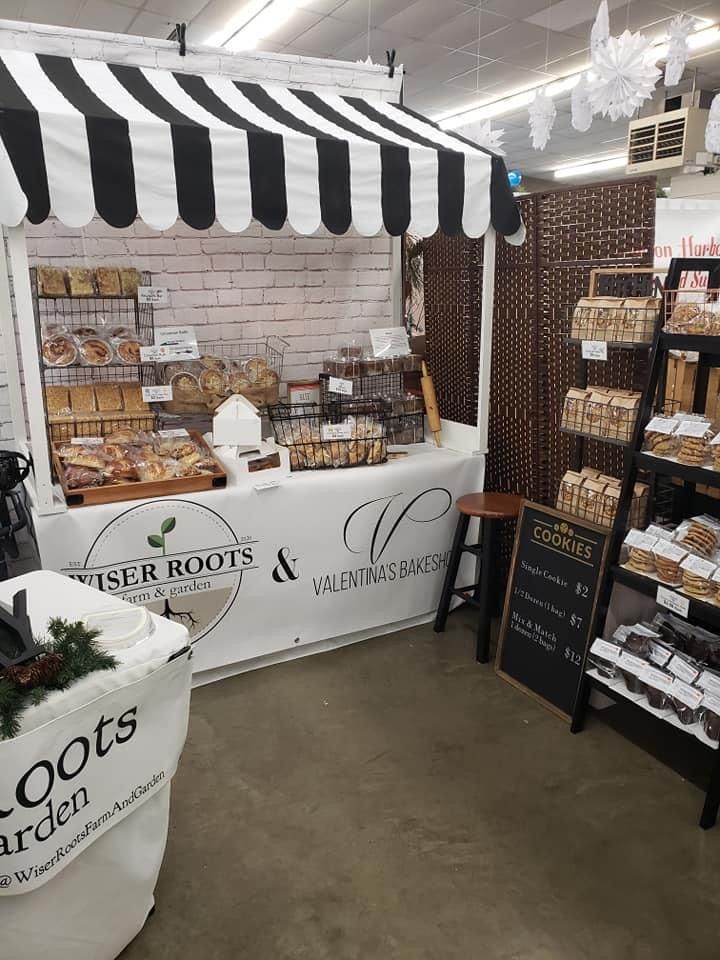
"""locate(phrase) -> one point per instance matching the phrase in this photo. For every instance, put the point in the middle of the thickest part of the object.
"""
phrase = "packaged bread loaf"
(573, 412)
(568, 498)
(621, 417)
(81, 282)
(51, 282)
(108, 281)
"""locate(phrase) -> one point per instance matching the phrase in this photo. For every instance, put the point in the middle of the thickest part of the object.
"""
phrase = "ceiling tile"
(498, 72)
(178, 11)
(418, 20)
(151, 25)
(449, 66)
(356, 11)
(62, 13)
(300, 22)
(552, 48)
(515, 9)
(509, 40)
(320, 6)
(568, 14)
(105, 15)
(461, 31)
(325, 38)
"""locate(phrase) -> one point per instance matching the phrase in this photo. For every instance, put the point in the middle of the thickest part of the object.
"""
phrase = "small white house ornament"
(712, 130)
(541, 113)
(581, 112)
(623, 76)
(678, 33)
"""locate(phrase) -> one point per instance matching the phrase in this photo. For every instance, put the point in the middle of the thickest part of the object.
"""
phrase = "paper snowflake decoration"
(483, 134)
(541, 113)
(712, 130)
(680, 29)
(581, 112)
(623, 76)
(601, 29)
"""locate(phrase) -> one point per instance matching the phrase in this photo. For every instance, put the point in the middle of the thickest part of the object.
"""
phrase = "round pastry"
(176, 448)
(267, 378)
(156, 470)
(59, 351)
(238, 382)
(212, 363)
(79, 477)
(185, 387)
(121, 471)
(123, 435)
(85, 332)
(129, 351)
(122, 333)
(96, 352)
(685, 313)
(212, 381)
(254, 368)
(116, 451)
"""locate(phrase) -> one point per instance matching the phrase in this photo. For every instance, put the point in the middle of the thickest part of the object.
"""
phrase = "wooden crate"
(118, 492)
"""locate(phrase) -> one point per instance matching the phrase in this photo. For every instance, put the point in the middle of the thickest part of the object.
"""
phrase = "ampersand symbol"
(285, 569)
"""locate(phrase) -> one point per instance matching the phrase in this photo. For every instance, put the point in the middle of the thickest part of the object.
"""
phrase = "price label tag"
(681, 668)
(336, 431)
(390, 342)
(87, 441)
(690, 696)
(692, 428)
(594, 350)
(173, 434)
(671, 551)
(157, 394)
(673, 601)
(153, 295)
(338, 385)
(267, 485)
(661, 425)
(698, 566)
(710, 682)
(605, 650)
(172, 343)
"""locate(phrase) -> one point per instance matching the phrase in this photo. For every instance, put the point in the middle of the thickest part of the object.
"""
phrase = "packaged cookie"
(637, 322)
(630, 668)
(658, 684)
(596, 421)
(715, 452)
(668, 556)
(573, 412)
(699, 535)
(660, 440)
(637, 552)
(568, 498)
(697, 577)
(686, 317)
(694, 438)
(603, 656)
(711, 716)
(591, 500)
(622, 416)
(581, 327)
(686, 701)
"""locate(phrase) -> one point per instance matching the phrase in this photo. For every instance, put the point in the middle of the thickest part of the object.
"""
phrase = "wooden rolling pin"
(431, 406)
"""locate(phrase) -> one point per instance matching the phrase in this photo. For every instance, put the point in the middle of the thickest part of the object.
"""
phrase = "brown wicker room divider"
(570, 232)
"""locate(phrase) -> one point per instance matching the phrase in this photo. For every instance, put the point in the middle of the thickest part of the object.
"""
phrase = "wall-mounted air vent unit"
(666, 141)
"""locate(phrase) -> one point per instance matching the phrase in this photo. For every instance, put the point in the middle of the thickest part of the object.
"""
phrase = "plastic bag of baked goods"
(686, 701)
(688, 316)
(711, 716)
(699, 535)
(59, 347)
(630, 667)
(668, 556)
(697, 576)
(658, 684)
(694, 438)
(637, 553)
(660, 440)
(603, 657)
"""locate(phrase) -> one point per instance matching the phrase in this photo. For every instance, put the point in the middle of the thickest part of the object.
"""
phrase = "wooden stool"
(490, 508)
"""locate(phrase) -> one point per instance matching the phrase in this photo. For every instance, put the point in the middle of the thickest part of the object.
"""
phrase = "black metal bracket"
(390, 54)
(181, 37)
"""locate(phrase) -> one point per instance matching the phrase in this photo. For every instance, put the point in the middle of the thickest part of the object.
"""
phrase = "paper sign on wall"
(390, 342)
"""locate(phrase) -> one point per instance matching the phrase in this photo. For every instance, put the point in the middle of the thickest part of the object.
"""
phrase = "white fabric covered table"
(325, 558)
(89, 777)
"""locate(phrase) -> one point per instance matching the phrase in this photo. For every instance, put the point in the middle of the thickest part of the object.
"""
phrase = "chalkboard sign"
(550, 605)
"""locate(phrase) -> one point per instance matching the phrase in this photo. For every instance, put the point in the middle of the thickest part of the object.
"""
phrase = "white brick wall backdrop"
(315, 292)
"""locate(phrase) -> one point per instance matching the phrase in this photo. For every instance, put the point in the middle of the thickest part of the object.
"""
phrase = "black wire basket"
(333, 435)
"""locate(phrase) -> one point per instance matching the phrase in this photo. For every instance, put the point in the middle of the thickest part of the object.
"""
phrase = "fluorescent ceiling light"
(707, 37)
(583, 168)
(256, 21)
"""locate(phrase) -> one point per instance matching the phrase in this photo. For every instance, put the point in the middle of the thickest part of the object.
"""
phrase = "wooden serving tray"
(118, 492)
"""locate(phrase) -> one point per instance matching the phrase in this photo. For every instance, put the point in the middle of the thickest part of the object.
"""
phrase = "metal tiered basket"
(326, 436)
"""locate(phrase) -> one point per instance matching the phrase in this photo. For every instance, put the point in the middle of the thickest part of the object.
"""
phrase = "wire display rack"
(326, 436)
(77, 317)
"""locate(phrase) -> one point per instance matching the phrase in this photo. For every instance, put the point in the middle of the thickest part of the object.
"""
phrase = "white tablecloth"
(88, 782)
(327, 557)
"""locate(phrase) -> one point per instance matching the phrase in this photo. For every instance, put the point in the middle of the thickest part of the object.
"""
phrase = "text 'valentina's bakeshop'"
(371, 529)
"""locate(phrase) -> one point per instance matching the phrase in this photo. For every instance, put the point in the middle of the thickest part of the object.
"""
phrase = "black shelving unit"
(685, 478)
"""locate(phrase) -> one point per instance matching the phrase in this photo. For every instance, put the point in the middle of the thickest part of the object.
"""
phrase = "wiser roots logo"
(177, 558)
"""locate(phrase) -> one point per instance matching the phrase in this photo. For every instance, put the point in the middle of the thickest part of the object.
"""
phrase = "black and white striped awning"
(81, 138)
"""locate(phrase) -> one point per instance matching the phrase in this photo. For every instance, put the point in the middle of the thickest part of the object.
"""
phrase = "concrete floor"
(395, 801)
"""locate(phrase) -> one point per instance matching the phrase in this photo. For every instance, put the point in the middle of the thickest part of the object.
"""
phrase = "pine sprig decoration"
(69, 654)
